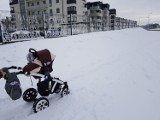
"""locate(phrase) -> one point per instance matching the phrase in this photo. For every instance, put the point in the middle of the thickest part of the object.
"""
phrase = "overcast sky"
(143, 11)
(138, 10)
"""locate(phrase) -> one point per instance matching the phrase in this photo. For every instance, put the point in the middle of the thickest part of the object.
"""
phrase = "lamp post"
(140, 21)
(71, 23)
(1, 38)
(149, 19)
(43, 22)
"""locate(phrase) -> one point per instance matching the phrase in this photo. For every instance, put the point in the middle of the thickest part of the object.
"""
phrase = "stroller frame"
(55, 85)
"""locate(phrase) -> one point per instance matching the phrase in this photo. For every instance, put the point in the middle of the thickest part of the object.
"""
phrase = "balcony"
(12, 11)
(71, 12)
(71, 1)
(98, 13)
(112, 21)
(113, 17)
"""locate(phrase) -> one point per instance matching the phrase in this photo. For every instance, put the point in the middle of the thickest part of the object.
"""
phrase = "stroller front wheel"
(40, 104)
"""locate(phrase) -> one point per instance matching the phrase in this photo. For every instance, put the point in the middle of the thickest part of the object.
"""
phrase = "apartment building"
(39, 14)
(18, 14)
(112, 14)
(121, 23)
(98, 14)
(46, 14)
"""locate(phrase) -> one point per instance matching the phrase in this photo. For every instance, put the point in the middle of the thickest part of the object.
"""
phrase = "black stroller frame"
(49, 85)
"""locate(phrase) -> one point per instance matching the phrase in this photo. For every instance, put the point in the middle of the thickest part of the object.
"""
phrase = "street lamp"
(149, 17)
(62, 9)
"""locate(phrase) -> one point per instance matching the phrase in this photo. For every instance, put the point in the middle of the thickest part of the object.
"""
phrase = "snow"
(112, 75)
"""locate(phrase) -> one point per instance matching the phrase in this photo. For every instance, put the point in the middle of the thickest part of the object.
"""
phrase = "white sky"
(139, 10)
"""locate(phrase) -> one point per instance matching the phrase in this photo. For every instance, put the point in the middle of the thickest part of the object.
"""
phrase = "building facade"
(112, 14)
(98, 15)
(49, 14)
(18, 14)
(121, 23)
(40, 14)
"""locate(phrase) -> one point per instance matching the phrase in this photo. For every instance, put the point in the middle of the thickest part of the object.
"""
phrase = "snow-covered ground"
(113, 75)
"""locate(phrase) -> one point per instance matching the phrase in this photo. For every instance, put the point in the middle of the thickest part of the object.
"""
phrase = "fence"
(19, 26)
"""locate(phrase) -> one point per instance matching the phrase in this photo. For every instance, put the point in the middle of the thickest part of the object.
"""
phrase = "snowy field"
(113, 75)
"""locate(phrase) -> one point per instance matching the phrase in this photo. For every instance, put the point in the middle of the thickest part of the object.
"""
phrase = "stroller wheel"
(40, 104)
(30, 94)
(65, 91)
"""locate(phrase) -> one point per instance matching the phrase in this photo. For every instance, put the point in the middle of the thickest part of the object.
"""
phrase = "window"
(32, 4)
(69, 19)
(98, 11)
(92, 11)
(71, 1)
(50, 3)
(44, 2)
(51, 12)
(59, 20)
(29, 13)
(51, 21)
(71, 10)
(28, 4)
(39, 21)
(112, 21)
(57, 10)
(38, 12)
(112, 17)
(12, 10)
(98, 17)
(37, 3)
(57, 1)
(74, 19)
(13, 18)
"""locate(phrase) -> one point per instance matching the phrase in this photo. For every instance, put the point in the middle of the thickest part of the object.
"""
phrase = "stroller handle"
(31, 50)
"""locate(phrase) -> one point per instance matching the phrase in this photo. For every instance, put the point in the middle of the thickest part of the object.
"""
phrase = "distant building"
(121, 23)
(112, 14)
(151, 26)
(18, 14)
(98, 14)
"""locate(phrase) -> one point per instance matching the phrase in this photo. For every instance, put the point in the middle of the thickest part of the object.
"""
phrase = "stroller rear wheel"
(64, 92)
(30, 95)
(40, 104)
(65, 89)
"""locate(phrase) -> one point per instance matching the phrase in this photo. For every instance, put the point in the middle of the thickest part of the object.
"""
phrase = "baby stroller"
(46, 83)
